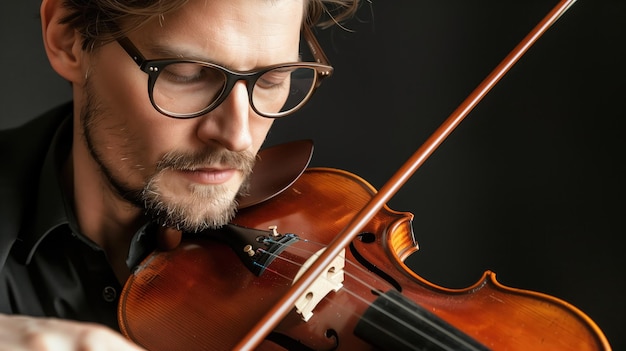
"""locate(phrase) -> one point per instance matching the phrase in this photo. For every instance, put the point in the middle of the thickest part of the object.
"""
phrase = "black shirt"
(47, 267)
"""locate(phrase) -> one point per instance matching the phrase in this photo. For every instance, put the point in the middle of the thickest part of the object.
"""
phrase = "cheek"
(132, 130)
(124, 95)
(259, 129)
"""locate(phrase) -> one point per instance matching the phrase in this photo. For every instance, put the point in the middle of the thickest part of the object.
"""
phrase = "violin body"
(201, 296)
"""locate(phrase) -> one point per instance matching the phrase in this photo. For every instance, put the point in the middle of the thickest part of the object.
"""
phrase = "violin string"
(366, 302)
(380, 327)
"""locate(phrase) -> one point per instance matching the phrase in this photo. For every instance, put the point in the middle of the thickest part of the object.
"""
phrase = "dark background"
(531, 184)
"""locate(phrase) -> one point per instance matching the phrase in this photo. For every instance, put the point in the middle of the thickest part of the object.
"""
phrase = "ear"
(61, 42)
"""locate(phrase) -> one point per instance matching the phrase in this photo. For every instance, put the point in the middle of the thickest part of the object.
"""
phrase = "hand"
(22, 333)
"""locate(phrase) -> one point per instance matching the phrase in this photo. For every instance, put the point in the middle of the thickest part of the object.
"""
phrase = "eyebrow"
(162, 52)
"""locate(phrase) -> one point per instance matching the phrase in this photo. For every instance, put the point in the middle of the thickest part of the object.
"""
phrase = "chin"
(192, 208)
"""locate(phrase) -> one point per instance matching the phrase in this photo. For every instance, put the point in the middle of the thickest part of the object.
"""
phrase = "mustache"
(241, 160)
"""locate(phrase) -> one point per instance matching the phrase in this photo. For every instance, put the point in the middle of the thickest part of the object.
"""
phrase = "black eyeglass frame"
(153, 68)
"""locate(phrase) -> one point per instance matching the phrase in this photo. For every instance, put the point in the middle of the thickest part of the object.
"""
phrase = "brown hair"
(99, 20)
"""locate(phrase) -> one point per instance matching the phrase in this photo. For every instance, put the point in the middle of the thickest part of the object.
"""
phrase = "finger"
(168, 238)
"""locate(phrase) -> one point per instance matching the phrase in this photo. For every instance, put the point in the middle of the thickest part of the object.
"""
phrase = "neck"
(102, 215)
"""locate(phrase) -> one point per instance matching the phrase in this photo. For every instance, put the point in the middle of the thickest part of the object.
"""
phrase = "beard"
(207, 206)
(201, 206)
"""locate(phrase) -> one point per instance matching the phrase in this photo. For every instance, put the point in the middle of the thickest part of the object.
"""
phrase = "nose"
(228, 124)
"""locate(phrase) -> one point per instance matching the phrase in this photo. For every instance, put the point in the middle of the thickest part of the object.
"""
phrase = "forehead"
(231, 32)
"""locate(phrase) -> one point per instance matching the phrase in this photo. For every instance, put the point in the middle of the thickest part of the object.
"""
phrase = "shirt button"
(109, 294)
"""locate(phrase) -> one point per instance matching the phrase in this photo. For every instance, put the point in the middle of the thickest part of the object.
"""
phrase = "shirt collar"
(53, 209)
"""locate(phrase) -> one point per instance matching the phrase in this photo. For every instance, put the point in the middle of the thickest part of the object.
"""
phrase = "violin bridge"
(330, 280)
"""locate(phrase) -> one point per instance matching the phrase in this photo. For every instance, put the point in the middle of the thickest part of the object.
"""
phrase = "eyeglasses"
(188, 88)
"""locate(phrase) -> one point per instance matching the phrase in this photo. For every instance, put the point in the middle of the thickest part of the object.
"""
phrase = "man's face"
(186, 172)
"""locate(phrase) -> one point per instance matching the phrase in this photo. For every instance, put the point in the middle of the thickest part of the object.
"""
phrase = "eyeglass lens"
(186, 88)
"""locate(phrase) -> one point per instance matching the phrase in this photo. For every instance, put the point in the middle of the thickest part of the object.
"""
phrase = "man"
(171, 141)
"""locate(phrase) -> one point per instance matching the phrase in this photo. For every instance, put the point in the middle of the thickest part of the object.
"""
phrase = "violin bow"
(271, 319)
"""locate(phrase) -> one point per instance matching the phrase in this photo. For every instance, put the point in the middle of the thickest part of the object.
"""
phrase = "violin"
(319, 265)
(208, 292)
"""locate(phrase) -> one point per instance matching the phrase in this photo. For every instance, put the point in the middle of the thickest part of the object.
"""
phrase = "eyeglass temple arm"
(314, 46)
(131, 50)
